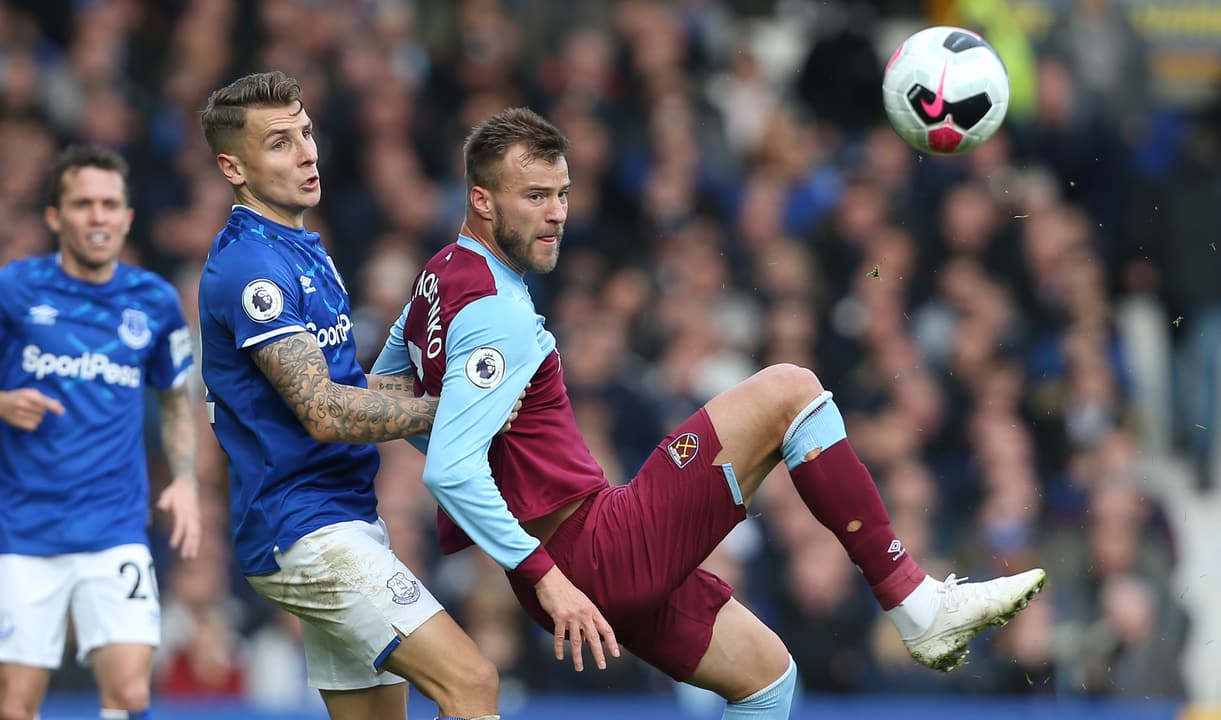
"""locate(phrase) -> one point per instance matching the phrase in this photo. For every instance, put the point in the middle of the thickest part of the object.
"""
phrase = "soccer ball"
(945, 90)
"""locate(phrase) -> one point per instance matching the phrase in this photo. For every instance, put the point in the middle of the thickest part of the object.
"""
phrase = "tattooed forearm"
(332, 412)
(178, 431)
(390, 383)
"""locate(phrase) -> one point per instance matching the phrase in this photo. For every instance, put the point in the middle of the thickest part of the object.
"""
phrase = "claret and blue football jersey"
(94, 348)
(263, 281)
(470, 335)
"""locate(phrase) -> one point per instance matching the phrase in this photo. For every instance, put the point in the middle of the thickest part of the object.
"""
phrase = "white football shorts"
(112, 595)
(351, 593)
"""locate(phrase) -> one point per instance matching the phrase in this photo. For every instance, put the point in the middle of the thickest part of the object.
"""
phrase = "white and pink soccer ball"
(945, 90)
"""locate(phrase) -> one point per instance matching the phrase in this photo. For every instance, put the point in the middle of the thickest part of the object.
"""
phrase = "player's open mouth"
(98, 239)
(546, 238)
(311, 184)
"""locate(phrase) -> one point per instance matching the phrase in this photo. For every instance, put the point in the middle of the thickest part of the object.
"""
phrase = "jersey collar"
(474, 245)
(299, 233)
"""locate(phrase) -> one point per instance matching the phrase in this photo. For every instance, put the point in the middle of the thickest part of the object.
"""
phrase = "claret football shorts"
(635, 550)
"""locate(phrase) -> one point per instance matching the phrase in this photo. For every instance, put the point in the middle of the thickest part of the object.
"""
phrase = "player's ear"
(50, 215)
(481, 202)
(231, 167)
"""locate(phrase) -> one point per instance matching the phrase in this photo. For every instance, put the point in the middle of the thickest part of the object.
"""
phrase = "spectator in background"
(81, 336)
(1109, 60)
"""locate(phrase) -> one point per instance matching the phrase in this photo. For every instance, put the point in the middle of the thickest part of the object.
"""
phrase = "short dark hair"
(75, 157)
(225, 114)
(487, 143)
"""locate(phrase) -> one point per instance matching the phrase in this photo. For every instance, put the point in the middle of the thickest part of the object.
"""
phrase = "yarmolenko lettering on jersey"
(86, 366)
(427, 287)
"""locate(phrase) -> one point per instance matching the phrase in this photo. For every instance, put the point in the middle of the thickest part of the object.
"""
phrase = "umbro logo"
(43, 315)
(896, 550)
(307, 284)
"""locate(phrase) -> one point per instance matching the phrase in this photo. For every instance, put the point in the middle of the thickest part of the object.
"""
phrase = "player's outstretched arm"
(576, 618)
(393, 384)
(330, 411)
(181, 497)
(401, 385)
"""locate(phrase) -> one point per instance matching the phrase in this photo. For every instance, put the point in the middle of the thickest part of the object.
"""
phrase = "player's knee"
(128, 695)
(771, 702)
(16, 708)
(483, 680)
(790, 387)
(474, 679)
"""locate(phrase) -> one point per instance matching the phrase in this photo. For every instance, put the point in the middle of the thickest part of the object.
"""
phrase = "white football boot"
(967, 609)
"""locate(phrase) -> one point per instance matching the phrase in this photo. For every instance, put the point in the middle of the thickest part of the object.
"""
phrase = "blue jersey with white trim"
(263, 281)
(79, 482)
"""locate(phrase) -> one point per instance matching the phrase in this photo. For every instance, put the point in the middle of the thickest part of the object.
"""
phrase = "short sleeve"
(256, 293)
(173, 355)
(395, 358)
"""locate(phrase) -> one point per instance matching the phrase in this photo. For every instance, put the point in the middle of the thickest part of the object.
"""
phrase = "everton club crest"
(134, 330)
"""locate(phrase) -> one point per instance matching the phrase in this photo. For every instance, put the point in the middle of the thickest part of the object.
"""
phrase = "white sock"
(111, 714)
(915, 614)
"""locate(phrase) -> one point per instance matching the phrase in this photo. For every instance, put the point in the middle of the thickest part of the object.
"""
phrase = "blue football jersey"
(79, 482)
(263, 281)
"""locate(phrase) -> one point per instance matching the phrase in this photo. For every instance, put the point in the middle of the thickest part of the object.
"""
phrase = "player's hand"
(516, 409)
(181, 500)
(576, 618)
(24, 408)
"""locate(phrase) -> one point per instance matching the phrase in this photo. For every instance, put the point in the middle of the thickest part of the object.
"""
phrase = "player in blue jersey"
(297, 417)
(81, 337)
(580, 552)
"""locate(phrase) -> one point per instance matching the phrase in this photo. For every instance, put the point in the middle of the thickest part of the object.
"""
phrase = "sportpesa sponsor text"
(333, 335)
(86, 366)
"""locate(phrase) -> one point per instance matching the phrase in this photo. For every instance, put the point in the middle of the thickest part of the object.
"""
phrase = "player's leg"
(784, 412)
(33, 628)
(698, 634)
(367, 622)
(122, 671)
(379, 701)
(117, 616)
(748, 665)
(22, 688)
(445, 665)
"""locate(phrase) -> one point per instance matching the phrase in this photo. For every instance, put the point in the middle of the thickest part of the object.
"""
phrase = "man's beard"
(517, 248)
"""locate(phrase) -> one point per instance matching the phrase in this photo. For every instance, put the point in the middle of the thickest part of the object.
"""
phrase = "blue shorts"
(635, 549)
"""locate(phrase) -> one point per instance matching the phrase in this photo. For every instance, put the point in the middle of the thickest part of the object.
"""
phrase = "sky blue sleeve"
(394, 359)
(491, 353)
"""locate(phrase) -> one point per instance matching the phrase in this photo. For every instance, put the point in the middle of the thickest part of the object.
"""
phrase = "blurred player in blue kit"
(81, 337)
(598, 564)
(298, 418)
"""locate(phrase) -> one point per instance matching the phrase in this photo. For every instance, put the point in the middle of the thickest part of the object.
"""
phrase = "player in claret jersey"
(296, 415)
(580, 553)
(81, 337)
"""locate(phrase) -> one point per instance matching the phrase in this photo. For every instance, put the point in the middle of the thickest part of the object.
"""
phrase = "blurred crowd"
(1016, 336)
